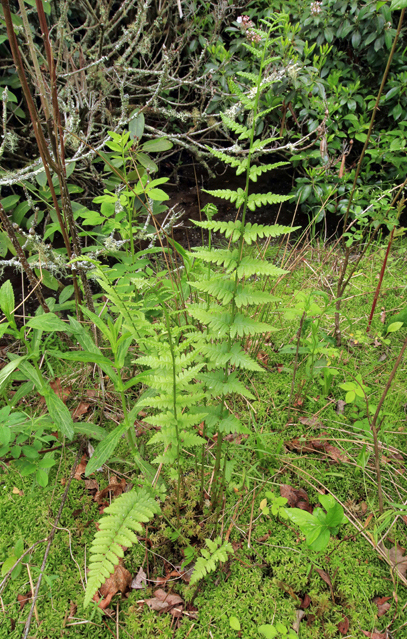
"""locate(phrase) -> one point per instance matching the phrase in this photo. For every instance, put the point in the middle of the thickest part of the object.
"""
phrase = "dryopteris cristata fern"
(230, 293)
(116, 530)
(210, 558)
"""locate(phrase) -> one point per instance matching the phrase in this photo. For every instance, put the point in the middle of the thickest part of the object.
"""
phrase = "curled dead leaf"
(296, 497)
(63, 393)
(80, 469)
(343, 626)
(166, 602)
(396, 558)
(140, 580)
(118, 582)
(80, 410)
(22, 599)
(382, 605)
(116, 487)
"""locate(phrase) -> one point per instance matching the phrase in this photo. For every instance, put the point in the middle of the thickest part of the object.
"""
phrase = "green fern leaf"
(216, 383)
(219, 355)
(249, 76)
(253, 231)
(245, 295)
(231, 228)
(229, 159)
(231, 425)
(244, 99)
(250, 266)
(221, 257)
(237, 196)
(261, 199)
(237, 128)
(244, 326)
(209, 561)
(256, 52)
(222, 289)
(258, 169)
(116, 529)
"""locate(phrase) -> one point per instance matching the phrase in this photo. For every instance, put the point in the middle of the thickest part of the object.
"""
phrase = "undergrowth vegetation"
(207, 440)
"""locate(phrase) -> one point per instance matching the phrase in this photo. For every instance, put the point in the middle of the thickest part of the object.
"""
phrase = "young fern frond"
(210, 559)
(116, 528)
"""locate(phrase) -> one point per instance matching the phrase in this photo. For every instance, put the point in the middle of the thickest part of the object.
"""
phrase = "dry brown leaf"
(305, 602)
(92, 484)
(140, 580)
(396, 557)
(91, 392)
(340, 406)
(382, 605)
(311, 421)
(116, 487)
(80, 469)
(317, 444)
(80, 410)
(375, 634)
(343, 626)
(166, 602)
(118, 582)
(63, 393)
(263, 358)
(298, 616)
(296, 497)
(22, 599)
(72, 609)
(324, 575)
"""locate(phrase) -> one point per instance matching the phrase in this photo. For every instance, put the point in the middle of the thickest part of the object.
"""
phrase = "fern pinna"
(230, 293)
(116, 530)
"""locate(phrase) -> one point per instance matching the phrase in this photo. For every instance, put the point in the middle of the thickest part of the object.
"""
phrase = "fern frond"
(249, 76)
(260, 199)
(253, 231)
(250, 266)
(244, 99)
(229, 159)
(237, 128)
(237, 196)
(116, 528)
(258, 169)
(231, 228)
(245, 295)
(185, 420)
(220, 288)
(231, 425)
(221, 257)
(215, 381)
(210, 559)
(260, 144)
(219, 355)
(257, 52)
(244, 326)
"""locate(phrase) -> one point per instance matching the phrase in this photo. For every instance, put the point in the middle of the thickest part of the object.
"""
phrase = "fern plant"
(229, 292)
(116, 530)
(210, 559)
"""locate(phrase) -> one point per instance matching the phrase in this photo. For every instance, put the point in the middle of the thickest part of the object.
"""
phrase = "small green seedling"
(14, 555)
(234, 623)
(278, 630)
(319, 526)
(277, 505)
